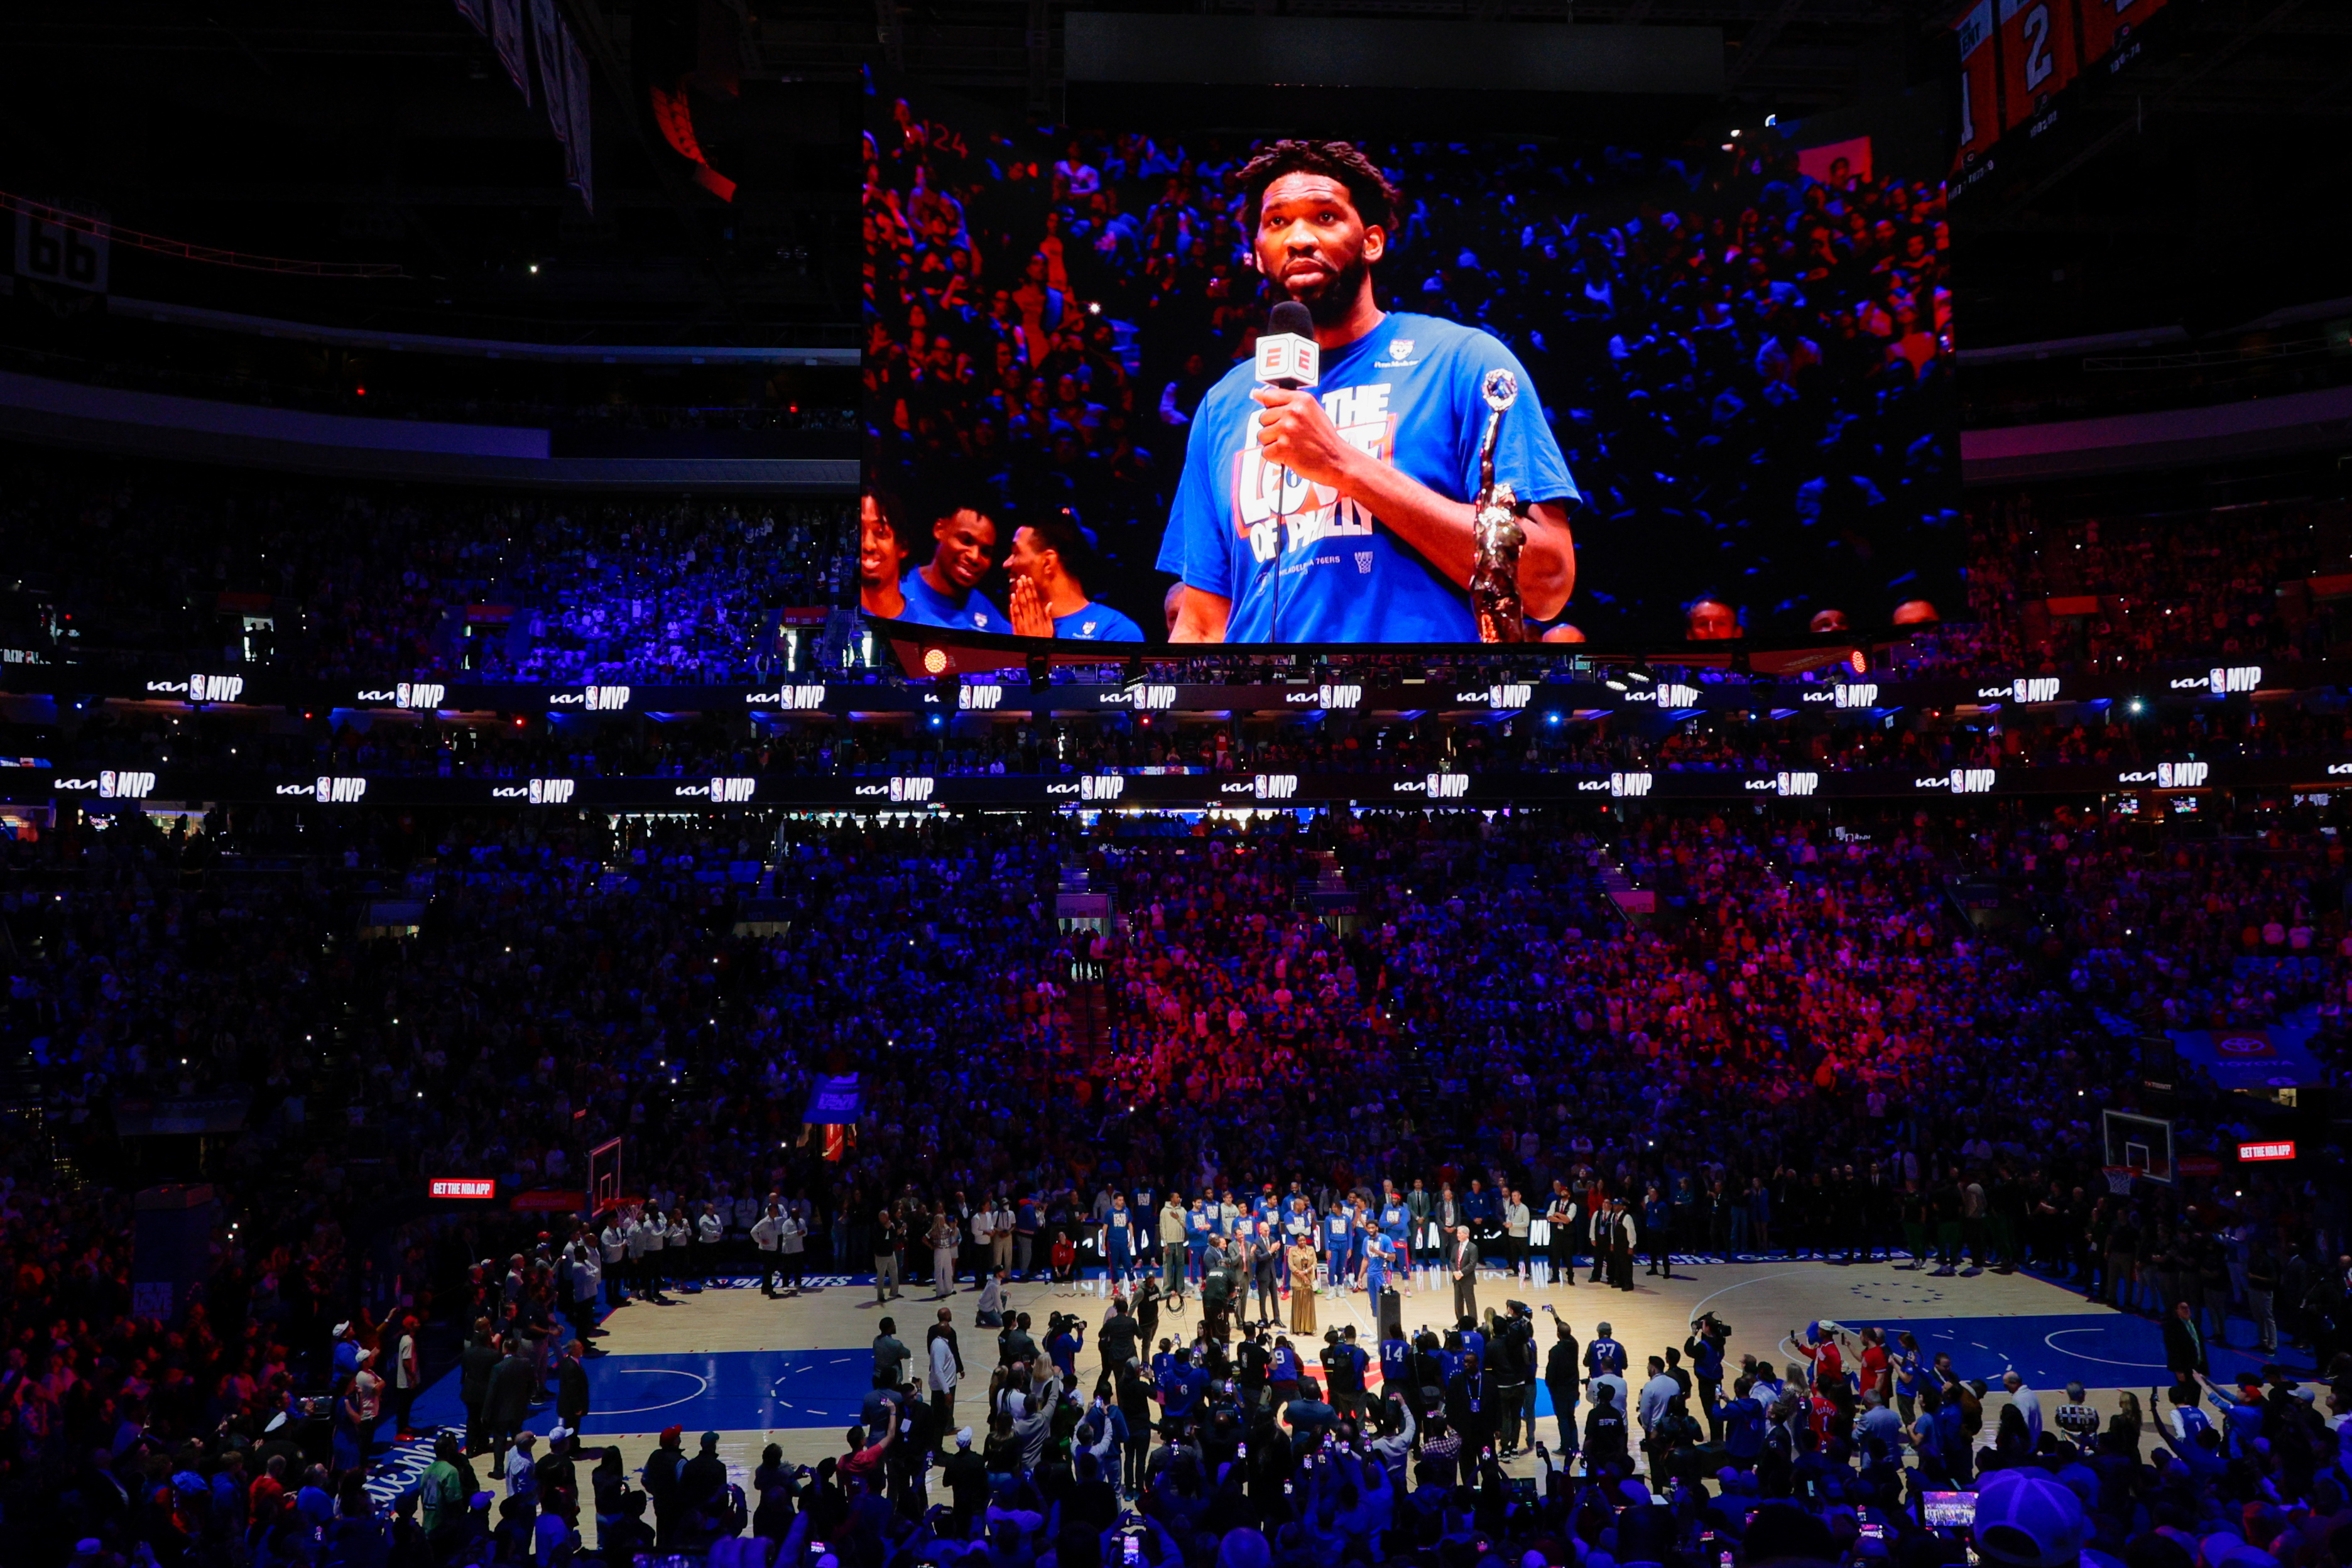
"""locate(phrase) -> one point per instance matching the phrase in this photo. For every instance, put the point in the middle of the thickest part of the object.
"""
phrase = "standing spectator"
(1563, 1379)
(2077, 1418)
(2028, 1405)
(407, 1376)
(508, 1406)
(765, 1242)
(572, 1401)
(1461, 1261)
(887, 1237)
(792, 1246)
(946, 1371)
(2184, 1345)
(890, 1354)
(475, 1365)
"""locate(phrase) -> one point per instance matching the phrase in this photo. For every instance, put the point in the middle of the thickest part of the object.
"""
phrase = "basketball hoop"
(2119, 1179)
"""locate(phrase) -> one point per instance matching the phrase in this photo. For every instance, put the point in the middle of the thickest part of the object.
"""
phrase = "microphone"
(1288, 355)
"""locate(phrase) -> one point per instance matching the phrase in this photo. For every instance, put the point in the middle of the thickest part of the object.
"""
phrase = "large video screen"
(1564, 391)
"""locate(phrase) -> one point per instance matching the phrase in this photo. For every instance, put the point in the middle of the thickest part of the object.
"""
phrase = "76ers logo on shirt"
(1274, 509)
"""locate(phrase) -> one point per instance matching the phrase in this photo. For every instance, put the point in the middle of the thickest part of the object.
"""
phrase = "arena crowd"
(1798, 1057)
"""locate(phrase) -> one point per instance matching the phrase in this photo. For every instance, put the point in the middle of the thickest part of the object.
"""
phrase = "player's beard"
(1331, 305)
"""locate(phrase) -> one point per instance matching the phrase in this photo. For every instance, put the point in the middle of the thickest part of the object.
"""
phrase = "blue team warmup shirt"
(1408, 393)
(1097, 623)
(925, 607)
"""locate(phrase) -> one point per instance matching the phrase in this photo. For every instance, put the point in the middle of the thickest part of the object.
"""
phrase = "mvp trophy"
(1495, 579)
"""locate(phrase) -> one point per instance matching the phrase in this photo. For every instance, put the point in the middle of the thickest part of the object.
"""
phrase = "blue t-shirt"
(927, 606)
(1097, 623)
(1408, 392)
(1743, 1433)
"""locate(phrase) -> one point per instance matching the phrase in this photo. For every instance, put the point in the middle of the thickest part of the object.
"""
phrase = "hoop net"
(2119, 1179)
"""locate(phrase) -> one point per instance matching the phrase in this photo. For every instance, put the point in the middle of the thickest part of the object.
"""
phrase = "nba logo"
(1364, 562)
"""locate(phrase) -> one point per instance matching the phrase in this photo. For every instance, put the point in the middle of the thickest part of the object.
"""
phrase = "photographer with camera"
(1705, 1347)
(1511, 1359)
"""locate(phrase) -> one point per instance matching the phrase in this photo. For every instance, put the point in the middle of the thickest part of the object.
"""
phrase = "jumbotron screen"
(1564, 392)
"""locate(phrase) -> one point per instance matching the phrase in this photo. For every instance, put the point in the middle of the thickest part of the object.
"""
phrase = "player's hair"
(889, 511)
(1375, 199)
(945, 501)
(1059, 532)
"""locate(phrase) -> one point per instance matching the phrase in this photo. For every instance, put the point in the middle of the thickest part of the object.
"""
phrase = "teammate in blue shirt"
(1342, 513)
(1396, 1226)
(944, 591)
(1338, 1238)
(1048, 597)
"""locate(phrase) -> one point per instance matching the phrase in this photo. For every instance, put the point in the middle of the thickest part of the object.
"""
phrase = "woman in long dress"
(1302, 1287)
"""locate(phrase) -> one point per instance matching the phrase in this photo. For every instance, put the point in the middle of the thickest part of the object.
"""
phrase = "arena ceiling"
(2200, 190)
(388, 131)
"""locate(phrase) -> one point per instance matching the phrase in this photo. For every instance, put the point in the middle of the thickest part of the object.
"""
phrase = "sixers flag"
(2272, 1057)
(834, 1101)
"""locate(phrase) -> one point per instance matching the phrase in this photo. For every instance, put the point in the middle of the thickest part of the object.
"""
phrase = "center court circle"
(700, 1383)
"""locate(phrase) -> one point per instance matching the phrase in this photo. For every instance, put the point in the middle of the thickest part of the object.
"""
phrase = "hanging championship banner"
(506, 38)
(546, 49)
(578, 166)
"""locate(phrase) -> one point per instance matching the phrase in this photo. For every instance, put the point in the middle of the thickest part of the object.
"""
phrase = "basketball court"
(794, 1371)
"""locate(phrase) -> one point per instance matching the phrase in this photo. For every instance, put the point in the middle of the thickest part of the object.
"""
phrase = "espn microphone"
(1287, 355)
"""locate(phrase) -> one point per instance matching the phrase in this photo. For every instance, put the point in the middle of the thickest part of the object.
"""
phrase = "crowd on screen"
(1748, 367)
(1800, 1058)
(2060, 585)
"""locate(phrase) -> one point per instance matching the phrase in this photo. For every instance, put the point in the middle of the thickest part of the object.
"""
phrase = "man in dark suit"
(1561, 1371)
(475, 1363)
(1470, 1406)
(700, 1481)
(1462, 1258)
(512, 1383)
(572, 1401)
(2184, 1346)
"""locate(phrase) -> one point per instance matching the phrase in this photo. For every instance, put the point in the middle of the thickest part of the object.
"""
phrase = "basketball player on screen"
(1342, 513)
